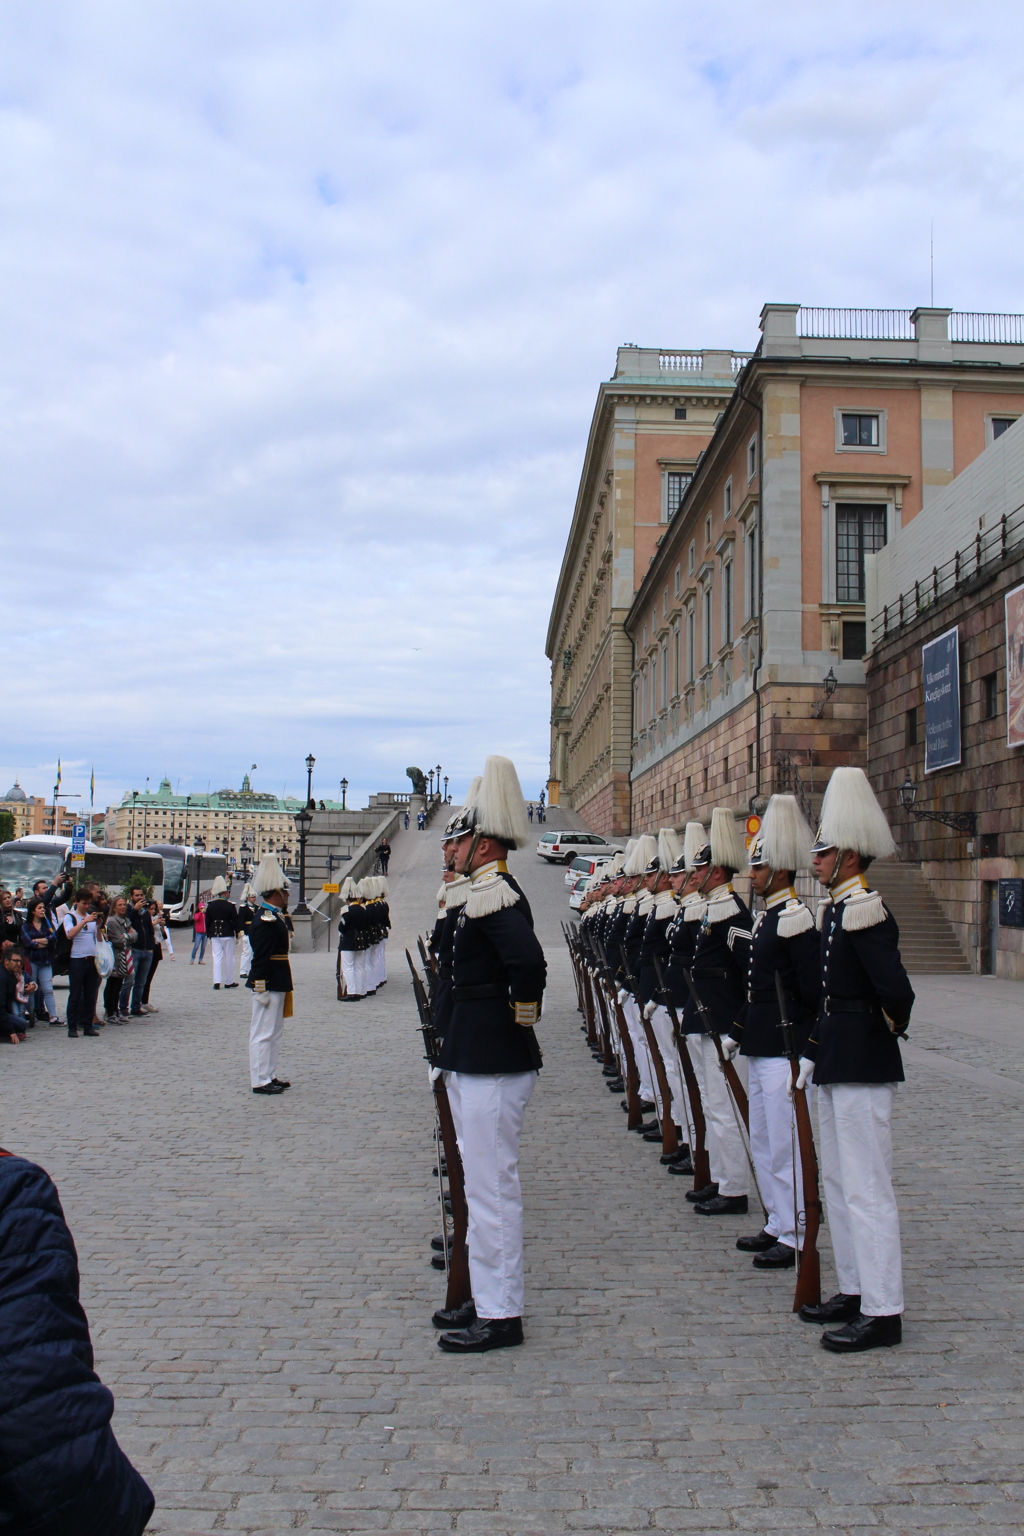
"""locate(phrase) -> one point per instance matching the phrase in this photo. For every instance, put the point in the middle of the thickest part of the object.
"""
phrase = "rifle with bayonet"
(699, 1150)
(808, 1266)
(669, 1138)
(634, 1114)
(460, 1288)
(602, 1027)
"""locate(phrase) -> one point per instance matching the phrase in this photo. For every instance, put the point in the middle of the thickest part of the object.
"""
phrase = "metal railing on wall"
(988, 549)
(856, 324)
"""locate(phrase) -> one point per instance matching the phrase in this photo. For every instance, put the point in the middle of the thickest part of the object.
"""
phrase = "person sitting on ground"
(62, 1473)
(10, 925)
(14, 997)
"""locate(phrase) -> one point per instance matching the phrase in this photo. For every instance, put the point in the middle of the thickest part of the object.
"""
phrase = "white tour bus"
(188, 875)
(42, 857)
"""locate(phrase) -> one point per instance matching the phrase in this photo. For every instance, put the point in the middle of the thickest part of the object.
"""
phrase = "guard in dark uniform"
(490, 1052)
(783, 942)
(681, 939)
(221, 928)
(719, 979)
(270, 977)
(451, 899)
(246, 913)
(351, 927)
(854, 1054)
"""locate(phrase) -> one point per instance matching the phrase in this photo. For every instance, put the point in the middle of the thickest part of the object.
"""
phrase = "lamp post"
(344, 792)
(957, 821)
(310, 761)
(437, 780)
(145, 811)
(830, 683)
(430, 783)
(303, 822)
(446, 788)
(135, 797)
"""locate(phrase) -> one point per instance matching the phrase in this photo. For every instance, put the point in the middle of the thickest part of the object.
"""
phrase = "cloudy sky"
(305, 306)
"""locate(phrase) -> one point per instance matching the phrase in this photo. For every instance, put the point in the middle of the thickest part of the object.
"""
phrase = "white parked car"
(584, 866)
(563, 847)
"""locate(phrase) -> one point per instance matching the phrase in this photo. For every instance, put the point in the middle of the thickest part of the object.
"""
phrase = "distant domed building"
(29, 812)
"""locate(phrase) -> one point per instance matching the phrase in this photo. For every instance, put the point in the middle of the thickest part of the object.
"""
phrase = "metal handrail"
(988, 549)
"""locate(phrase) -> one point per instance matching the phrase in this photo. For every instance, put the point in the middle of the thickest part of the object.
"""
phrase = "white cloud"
(305, 307)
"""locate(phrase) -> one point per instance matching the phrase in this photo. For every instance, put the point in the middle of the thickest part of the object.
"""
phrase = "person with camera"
(83, 977)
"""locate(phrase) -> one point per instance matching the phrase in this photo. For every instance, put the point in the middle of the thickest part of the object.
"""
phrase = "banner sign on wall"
(1015, 667)
(940, 666)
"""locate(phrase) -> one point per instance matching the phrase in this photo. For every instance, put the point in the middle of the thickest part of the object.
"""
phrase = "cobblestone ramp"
(256, 1273)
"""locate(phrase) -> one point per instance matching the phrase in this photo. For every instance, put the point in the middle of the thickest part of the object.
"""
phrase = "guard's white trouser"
(246, 960)
(662, 1027)
(350, 970)
(631, 1014)
(726, 1152)
(855, 1133)
(488, 1111)
(772, 1143)
(265, 1033)
(223, 961)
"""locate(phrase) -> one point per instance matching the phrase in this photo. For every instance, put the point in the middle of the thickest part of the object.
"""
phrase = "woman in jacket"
(37, 941)
(122, 936)
(199, 933)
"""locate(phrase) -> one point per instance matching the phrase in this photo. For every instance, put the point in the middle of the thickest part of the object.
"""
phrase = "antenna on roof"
(931, 261)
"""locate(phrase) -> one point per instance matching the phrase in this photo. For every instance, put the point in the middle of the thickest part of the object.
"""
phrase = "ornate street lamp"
(830, 683)
(344, 792)
(310, 761)
(303, 822)
(437, 780)
(430, 783)
(957, 821)
(446, 788)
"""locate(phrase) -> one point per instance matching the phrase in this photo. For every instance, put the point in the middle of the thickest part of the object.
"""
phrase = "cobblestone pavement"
(256, 1274)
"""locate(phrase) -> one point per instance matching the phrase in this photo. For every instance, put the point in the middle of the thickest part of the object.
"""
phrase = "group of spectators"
(63, 927)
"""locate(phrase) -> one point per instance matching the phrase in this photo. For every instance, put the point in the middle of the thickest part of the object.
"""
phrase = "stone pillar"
(302, 938)
(417, 803)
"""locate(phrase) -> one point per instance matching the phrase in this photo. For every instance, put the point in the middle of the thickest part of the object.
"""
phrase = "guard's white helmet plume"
(269, 876)
(851, 817)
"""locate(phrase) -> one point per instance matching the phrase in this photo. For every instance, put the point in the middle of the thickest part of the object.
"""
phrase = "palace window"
(708, 632)
(990, 696)
(676, 482)
(752, 458)
(752, 584)
(690, 645)
(691, 558)
(664, 676)
(860, 530)
(727, 499)
(726, 601)
(860, 431)
(1001, 424)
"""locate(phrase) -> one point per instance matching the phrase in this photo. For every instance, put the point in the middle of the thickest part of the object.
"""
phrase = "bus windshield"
(174, 878)
(19, 866)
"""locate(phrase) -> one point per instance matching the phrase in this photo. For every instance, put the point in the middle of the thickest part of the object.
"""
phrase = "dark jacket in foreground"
(719, 966)
(861, 975)
(497, 961)
(62, 1473)
(268, 939)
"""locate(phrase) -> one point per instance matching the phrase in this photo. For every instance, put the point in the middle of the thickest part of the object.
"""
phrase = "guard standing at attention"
(718, 976)
(221, 928)
(350, 932)
(491, 1056)
(784, 943)
(854, 1055)
(270, 976)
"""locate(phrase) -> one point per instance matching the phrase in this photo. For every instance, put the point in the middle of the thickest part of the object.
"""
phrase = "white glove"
(730, 1047)
(622, 995)
(263, 998)
(433, 1073)
(803, 1076)
(650, 1009)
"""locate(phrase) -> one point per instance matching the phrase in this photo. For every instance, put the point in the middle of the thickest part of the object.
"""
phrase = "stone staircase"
(928, 942)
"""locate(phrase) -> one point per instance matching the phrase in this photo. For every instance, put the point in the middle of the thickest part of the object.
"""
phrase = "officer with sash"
(784, 943)
(270, 976)
(854, 1056)
(491, 1055)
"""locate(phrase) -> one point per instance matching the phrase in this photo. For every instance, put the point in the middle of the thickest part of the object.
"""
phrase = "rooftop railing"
(1002, 330)
(989, 549)
(898, 325)
(856, 324)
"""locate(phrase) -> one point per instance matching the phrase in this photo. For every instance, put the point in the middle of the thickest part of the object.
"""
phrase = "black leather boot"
(864, 1333)
(838, 1309)
(722, 1205)
(485, 1333)
(455, 1317)
(759, 1243)
(779, 1256)
(707, 1193)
